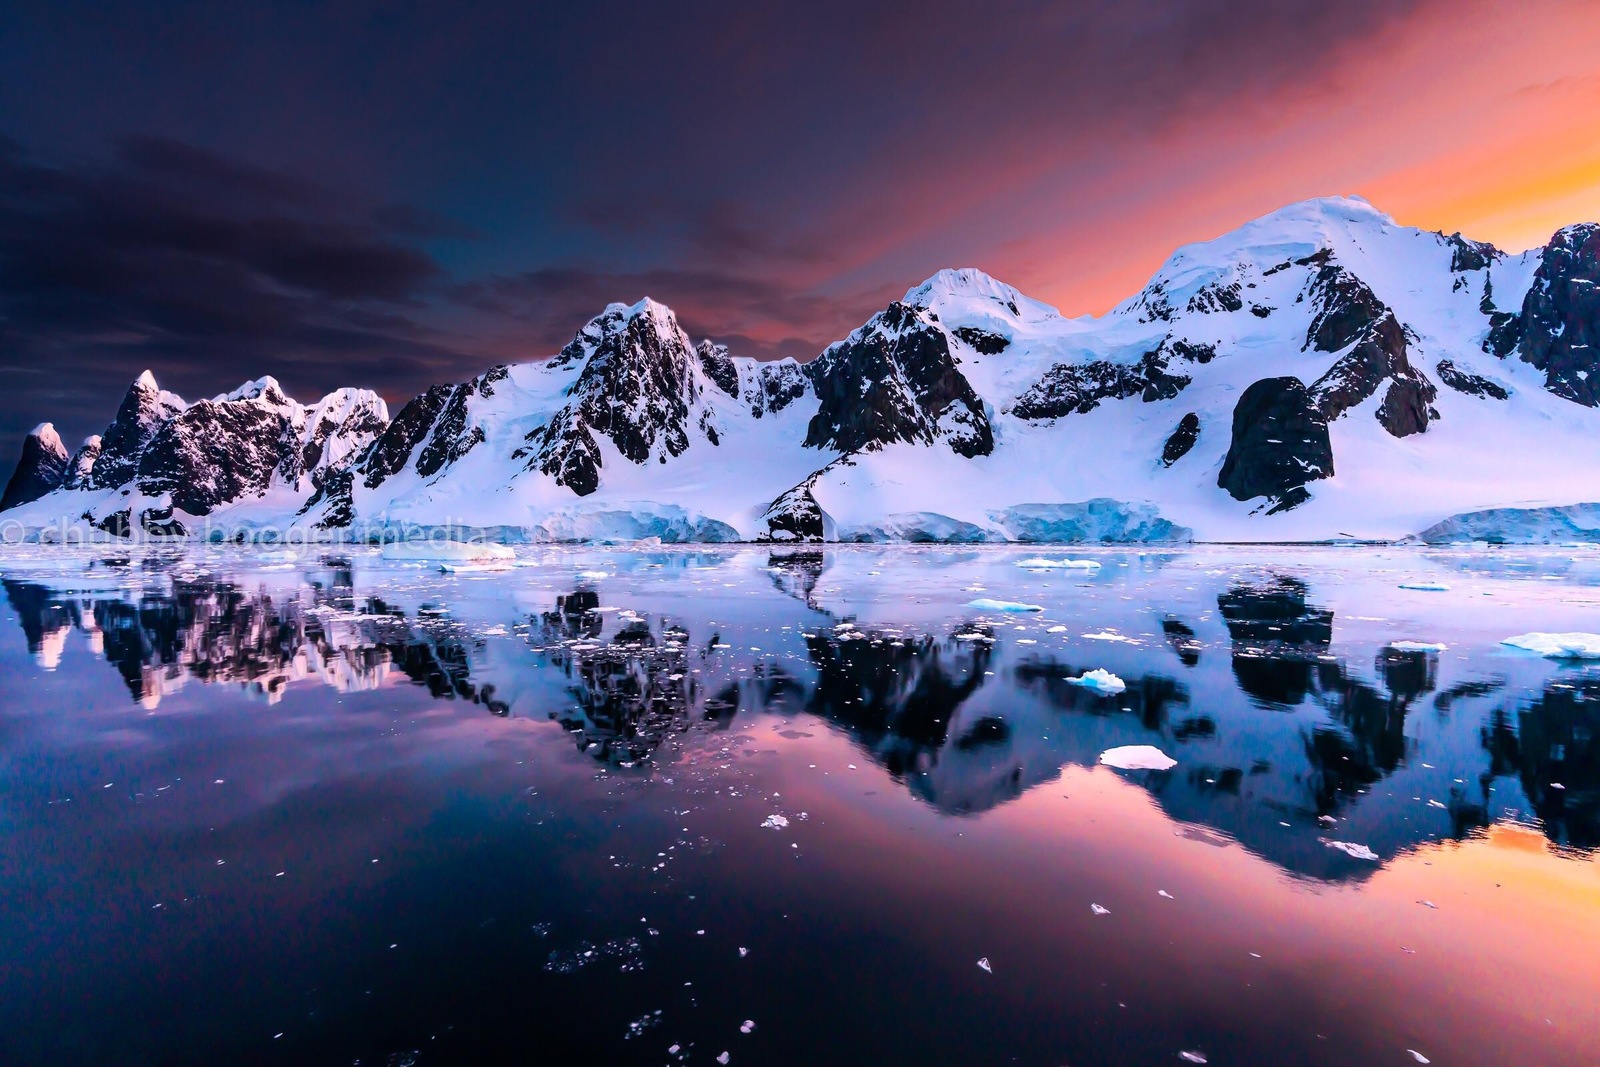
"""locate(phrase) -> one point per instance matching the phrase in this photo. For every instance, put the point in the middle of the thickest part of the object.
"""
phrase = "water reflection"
(1282, 745)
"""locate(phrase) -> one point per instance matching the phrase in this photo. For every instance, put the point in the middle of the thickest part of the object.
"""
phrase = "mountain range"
(1319, 373)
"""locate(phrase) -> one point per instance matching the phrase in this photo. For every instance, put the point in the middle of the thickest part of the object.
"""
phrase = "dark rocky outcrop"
(1471, 384)
(389, 454)
(777, 386)
(895, 380)
(1468, 255)
(1215, 297)
(719, 367)
(214, 452)
(1181, 440)
(1280, 442)
(42, 468)
(1080, 387)
(143, 411)
(796, 515)
(1559, 330)
(1349, 313)
(452, 438)
(81, 467)
(636, 388)
(982, 341)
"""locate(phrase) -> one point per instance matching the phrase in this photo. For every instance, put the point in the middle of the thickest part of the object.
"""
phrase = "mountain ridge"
(1318, 372)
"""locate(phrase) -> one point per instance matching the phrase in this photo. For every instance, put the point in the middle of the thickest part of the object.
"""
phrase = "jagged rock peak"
(41, 468)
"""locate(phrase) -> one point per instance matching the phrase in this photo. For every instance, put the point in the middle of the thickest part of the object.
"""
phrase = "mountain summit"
(1320, 372)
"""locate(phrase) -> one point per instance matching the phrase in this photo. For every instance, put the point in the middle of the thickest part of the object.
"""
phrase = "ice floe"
(1101, 681)
(1558, 646)
(1137, 758)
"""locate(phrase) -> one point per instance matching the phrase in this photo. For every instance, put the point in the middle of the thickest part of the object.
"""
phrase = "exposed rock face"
(42, 467)
(1182, 439)
(1080, 387)
(1560, 322)
(637, 387)
(795, 516)
(392, 450)
(1280, 442)
(143, 411)
(1350, 313)
(214, 452)
(82, 465)
(895, 380)
(452, 437)
(982, 341)
(719, 367)
(1468, 255)
(1471, 384)
(238, 446)
(777, 386)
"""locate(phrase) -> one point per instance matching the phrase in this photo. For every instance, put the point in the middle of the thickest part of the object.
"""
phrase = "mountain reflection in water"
(1287, 746)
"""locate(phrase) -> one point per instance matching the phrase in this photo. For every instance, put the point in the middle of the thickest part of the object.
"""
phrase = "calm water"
(664, 806)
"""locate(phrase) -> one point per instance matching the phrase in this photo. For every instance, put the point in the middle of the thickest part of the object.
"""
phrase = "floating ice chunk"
(747, 1027)
(984, 963)
(1419, 1057)
(1192, 1057)
(985, 604)
(1418, 646)
(723, 1058)
(775, 822)
(1426, 587)
(1101, 681)
(1109, 635)
(1039, 563)
(1355, 851)
(1137, 758)
(594, 574)
(475, 568)
(446, 551)
(1099, 910)
(1056, 630)
(1558, 646)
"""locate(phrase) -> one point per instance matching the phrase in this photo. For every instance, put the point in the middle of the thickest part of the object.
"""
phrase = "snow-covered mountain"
(1320, 372)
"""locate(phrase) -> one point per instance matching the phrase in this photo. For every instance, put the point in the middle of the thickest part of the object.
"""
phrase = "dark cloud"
(448, 185)
(206, 269)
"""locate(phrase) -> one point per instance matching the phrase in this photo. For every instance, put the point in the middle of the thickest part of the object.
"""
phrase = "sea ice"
(1039, 563)
(1101, 681)
(1353, 850)
(985, 604)
(1426, 587)
(1418, 646)
(1137, 758)
(1558, 646)
(446, 551)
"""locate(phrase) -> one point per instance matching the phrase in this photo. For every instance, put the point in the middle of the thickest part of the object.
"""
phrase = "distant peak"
(266, 387)
(146, 382)
(44, 431)
(960, 282)
(960, 293)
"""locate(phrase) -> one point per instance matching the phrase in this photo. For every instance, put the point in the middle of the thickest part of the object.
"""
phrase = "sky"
(392, 195)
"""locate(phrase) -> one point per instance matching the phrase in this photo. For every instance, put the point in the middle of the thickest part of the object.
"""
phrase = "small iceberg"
(1418, 646)
(1039, 563)
(985, 604)
(446, 552)
(1558, 646)
(1426, 587)
(1137, 758)
(1101, 681)
(1353, 850)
